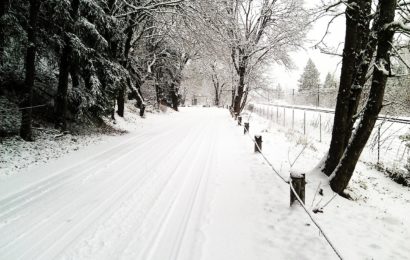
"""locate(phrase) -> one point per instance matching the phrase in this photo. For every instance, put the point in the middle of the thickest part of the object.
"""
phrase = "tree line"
(84, 58)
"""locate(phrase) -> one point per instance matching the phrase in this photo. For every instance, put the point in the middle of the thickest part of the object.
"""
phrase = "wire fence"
(385, 148)
(292, 189)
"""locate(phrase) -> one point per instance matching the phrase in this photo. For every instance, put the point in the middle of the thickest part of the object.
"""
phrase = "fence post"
(298, 182)
(271, 114)
(320, 127)
(258, 143)
(246, 128)
(277, 115)
(304, 122)
(239, 120)
(293, 118)
(378, 147)
(236, 116)
(284, 116)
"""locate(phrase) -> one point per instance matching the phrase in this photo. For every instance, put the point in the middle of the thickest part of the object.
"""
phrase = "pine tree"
(330, 81)
(309, 80)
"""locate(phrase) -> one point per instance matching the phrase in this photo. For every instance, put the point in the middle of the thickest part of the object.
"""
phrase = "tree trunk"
(4, 5)
(65, 67)
(243, 61)
(241, 86)
(174, 97)
(25, 129)
(367, 49)
(61, 97)
(121, 102)
(74, 76)
(341, 122)
(344, 171)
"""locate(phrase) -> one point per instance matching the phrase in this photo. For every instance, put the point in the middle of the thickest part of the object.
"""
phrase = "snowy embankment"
(50, 144)
(374, 226)
(189, 186)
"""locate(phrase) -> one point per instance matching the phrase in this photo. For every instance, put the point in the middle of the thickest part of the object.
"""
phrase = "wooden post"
(298, 182)
(284, 116)
(236, 116)
(246, 128)
(258, 143)
(304, 122)
(239, 120)
(320, 127)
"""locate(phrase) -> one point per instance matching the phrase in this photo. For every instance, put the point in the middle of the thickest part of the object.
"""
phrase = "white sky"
(325, 63)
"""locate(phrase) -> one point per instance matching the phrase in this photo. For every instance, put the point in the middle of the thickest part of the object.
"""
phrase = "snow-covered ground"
(50, 144)
(374, 226)
(188, 185)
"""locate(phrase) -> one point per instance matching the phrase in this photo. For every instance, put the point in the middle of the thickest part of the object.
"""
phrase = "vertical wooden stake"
(258, 143)
(298, 183)
(304, 122)
(239, 120)
(320, 127)
(246, 128)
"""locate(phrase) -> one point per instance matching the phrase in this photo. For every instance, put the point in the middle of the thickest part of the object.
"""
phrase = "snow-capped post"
(258, 143)
(246, 128)
(239, 120)
(297, 181)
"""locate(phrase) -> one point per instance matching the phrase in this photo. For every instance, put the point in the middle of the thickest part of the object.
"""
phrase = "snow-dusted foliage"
(89, 55)
(309, 80)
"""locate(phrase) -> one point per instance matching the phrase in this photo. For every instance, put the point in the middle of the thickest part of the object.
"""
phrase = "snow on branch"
(150, 6)
(397, 25)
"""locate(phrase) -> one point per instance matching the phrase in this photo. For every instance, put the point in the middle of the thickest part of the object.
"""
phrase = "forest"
(77, 61)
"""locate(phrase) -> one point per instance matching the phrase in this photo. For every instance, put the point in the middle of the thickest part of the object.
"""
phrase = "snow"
(373, 226)
(188, 185)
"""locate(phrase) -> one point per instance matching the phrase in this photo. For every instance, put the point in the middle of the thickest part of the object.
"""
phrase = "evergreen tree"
(330, 81)
(309, 80)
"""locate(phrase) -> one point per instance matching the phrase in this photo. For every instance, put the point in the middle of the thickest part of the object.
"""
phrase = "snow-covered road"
(181, 189)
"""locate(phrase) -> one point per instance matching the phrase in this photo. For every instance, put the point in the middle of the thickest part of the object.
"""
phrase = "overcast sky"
(325, 63)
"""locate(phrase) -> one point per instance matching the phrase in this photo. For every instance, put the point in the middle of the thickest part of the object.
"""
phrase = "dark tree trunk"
(4, 5)
(61, 97)
(174, 97)
(367, 49)
(121, 102)
(241, 85)
(26, 113)
(344, 171)
(74, 76)
(65, 67)
(350, 53)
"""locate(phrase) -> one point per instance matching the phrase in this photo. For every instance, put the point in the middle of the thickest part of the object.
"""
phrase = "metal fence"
(385, 147)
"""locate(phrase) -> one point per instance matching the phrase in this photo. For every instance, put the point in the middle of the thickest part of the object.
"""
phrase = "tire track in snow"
(131, 210)
(172, 218)
(42, 220)
(34, 191)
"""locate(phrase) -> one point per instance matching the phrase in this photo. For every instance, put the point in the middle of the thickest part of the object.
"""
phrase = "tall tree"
(309, 80)
(65, 67)
(257, 31)
(330, 81)
(357, 15)
(344, 171)
(26, 104)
